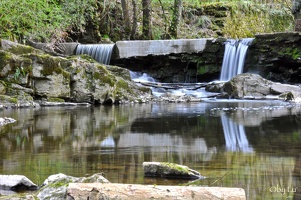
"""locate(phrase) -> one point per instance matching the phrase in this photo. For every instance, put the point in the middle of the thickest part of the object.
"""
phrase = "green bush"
(43, 20)
(247, 19)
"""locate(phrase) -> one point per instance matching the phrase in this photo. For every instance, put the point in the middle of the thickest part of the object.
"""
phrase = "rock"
(278, 88)
(247, 85)
(16, 182)
(169, 170)
(3, 121)
(253, 86)
(34, 75)
(138, 192)
(276, 56)
(55, 186)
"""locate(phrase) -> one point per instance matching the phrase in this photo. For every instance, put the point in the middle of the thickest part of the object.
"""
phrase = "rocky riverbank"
(32, 78)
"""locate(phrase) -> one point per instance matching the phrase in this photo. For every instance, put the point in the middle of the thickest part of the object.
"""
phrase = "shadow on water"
(254, 145)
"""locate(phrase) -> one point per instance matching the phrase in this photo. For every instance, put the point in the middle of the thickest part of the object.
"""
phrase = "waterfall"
(234, 57)
(100, 52)
(235, 136)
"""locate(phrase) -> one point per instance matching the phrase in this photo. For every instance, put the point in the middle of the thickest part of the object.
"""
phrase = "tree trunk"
(176, 18)
(296, 10)
(126, 18)
(134, 26)
(147, 20)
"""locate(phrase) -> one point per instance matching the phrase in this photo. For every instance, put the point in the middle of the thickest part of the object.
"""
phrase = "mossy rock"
(14, 68)
(169, 170)
(17, 49)
(8, 99)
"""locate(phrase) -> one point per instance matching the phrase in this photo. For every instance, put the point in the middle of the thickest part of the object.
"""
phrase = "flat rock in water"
(155, 192)
(169, 170)
(16, 182)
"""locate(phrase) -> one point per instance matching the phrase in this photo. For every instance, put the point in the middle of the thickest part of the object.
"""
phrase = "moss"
(22, 49)
(52, 65)
(59, 184)
(122, 84)
(4, 57)
(291, 52)
(104, 76)
(54, 99)
(8, 99)
(202, 70)
(176, 167)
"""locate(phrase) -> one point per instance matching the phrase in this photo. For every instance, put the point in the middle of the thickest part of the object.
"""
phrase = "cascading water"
(196, 90)
(234, 57)
(100, 52)
(235, 136)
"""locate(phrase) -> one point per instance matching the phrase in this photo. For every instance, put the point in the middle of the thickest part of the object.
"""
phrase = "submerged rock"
(169, 170)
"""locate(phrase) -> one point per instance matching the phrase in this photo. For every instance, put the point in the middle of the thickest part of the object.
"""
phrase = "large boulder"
(247, 85)
(253, 86)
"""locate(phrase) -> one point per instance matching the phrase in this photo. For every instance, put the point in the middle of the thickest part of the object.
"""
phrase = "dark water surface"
(254, 145)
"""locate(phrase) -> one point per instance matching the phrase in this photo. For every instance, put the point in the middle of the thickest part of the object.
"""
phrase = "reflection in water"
(263, 153)
(235, 136)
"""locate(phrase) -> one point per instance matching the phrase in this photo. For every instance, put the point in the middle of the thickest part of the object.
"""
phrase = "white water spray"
(234, 57)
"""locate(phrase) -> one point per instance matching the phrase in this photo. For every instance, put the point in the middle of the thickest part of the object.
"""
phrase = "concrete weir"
(128, 49)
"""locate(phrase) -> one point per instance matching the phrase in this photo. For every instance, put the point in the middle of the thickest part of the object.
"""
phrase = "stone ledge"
(127, 49)
(137, 192)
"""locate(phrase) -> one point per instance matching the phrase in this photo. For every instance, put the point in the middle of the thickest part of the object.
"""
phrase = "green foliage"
(53, 21)
(43, 20)
(248, 19)
(30, 18)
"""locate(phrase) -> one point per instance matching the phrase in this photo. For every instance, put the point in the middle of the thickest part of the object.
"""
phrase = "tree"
(126, 17)
(177, 12)
(296, 10)
(135, 20)
(147, 20)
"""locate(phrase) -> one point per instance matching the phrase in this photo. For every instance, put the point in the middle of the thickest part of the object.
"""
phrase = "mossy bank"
(29, 76)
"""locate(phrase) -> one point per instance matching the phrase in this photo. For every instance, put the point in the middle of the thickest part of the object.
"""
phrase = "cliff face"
(276, 57)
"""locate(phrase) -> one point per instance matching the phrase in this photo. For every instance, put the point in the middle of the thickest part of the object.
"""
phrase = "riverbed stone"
(169, 170)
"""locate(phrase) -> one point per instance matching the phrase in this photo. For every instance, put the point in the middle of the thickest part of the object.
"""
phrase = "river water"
(250, 144)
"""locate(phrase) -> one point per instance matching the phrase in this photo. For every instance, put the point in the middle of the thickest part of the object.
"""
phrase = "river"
(250, 144)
